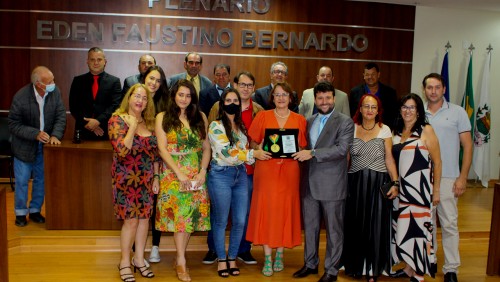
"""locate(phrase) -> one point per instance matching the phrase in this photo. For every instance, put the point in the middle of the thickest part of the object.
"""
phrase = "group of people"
(189, 153)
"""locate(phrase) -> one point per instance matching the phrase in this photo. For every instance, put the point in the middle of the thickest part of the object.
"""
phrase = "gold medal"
(275, 148)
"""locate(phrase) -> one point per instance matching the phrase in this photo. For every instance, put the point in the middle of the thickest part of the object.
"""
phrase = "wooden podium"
(493, 264)
(78, 190)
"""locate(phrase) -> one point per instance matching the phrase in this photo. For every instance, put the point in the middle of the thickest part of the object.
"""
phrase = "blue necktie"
(322, 124)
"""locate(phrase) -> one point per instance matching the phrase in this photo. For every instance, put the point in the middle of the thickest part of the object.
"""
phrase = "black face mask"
(231, 109)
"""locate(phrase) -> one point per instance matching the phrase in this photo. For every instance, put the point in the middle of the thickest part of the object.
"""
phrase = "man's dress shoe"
(304, 271)
(21, 220)
(328, 278)
(450, 277)
(37, 217)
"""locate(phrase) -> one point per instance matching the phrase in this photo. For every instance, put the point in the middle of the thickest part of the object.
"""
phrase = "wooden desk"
(493, 264)
(78, 190)
(4, 254)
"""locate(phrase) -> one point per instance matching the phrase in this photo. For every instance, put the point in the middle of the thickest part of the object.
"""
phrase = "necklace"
(367, 128)
(139, 122)
(276, 113)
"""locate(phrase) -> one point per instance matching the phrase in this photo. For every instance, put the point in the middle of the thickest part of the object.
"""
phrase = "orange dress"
(275, 209)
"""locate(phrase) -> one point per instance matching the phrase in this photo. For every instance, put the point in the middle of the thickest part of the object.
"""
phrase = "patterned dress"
(414, 239)
(182, 211)
(131, 172)
(368, 221)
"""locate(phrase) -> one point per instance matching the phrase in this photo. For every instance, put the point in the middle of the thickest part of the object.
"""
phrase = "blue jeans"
(228, 188)
(22, 172)
(245, 246)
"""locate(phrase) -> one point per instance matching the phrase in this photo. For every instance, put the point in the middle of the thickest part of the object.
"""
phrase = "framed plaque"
(281, 142)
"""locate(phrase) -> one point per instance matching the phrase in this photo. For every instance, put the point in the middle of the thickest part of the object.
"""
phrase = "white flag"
(481, 158)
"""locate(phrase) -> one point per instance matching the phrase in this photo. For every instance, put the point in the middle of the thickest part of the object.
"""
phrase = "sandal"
(278, 262)
(267, 270)
(234, 271)
(224, 273)
(144, 270)
(127, 277)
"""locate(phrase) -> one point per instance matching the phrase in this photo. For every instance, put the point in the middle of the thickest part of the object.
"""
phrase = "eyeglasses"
(194, 63)
(279, 72)
(245, 85)
(368, 107)
(224, 74)
(281, 94)
(140, 97)
(408, 108)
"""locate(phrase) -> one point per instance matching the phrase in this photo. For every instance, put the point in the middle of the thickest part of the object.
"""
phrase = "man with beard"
(324, 182)
(193, 63)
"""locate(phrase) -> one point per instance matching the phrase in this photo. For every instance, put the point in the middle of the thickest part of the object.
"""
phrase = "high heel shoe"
(278, 262)
(267, 270)
(182, 272)
(224, 273)
(234, 271)
(144, 270)
(127, 277)
(371, 279)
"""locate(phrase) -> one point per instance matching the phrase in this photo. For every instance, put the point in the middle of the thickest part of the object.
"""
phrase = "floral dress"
(182, 211)
(131, 172)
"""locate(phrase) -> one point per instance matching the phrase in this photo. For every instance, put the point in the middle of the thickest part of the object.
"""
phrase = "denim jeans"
(228, 189)
(22, 172)
(245, 246)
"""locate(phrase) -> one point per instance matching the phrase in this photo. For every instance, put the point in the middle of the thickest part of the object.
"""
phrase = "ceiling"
(488, 5)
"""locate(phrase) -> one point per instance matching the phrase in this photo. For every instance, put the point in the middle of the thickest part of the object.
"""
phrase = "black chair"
(6, 150)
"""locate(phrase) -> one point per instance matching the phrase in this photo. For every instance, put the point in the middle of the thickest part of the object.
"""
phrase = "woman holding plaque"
(274, 220)
(368, 221)
(227, 179)
(183, 205)
(134, 175)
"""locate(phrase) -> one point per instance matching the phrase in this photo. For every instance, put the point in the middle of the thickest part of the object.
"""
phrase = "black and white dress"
(414, 239)
(367, 225)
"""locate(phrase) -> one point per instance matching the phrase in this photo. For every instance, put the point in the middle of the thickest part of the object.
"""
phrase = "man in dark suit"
(145, 61)
(193, 63)
(372, 85)
(209, 96)
(93, 97)
(279, 73)
(324, 182)
(37, 117)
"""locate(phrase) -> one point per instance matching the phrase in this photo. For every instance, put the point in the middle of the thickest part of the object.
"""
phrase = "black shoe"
(21, 220)
(400, 273)
(305, 271)
(247, 258)
(450, 277)
(328, 278)
(210, 257)
(413, 279)
(37, 217)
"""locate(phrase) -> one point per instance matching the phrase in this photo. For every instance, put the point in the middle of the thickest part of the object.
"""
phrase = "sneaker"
(154, 256)
(210, 257)
(247, 258)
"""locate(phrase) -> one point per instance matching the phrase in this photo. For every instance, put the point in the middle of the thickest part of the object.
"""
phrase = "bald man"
(145, 61)
(37, 116)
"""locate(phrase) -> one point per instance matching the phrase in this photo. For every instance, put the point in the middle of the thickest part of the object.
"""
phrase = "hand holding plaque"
(281, 142)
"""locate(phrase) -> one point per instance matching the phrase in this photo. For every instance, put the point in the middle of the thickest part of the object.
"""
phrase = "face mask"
(231, 109)
(50, 87)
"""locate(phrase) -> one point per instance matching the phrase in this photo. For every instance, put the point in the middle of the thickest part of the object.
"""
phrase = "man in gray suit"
(145, 61)
(324, 182)
(193, 63)
(307, 107)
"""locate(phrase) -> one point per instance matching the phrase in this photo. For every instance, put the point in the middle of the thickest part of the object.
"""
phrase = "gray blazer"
(204, 81)
(130, 81)
(24, 121)
(306, 105)
(326, 174)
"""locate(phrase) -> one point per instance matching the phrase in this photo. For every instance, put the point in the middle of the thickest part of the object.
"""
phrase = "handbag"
(384, 189)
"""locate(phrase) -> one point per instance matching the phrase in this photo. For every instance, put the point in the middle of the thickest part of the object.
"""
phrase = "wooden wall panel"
(389, 29)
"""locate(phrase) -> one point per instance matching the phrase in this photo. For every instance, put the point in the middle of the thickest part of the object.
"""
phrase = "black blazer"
(82, 104)
(261, 97)
(387, 96)
(208, 97)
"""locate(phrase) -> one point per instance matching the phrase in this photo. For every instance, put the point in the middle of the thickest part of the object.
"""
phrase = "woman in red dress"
(274, 220)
